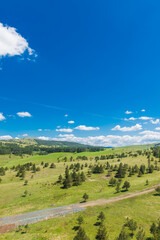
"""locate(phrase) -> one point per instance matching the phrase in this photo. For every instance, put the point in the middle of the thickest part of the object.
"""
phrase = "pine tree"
(118, 187)
(140, 235)
(102, 233)
(81, 235)
(80, 220)
(123, 235)
(126, 185)
(85, 197)
(101, 217)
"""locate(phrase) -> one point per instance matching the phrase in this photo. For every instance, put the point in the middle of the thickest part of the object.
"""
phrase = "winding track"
(11, 222)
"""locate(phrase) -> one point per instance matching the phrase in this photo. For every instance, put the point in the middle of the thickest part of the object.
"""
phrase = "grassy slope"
(44, 195)
(144, 210)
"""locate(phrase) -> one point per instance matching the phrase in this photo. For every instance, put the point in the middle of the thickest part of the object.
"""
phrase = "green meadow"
(43, 191)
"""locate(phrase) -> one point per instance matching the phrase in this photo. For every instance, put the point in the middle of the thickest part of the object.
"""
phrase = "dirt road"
(8, 223)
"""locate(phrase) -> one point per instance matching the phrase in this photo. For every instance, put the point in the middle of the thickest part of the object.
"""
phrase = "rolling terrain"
(32, 183)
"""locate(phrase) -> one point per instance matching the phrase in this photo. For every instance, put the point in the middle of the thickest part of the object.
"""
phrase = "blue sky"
(90, 60)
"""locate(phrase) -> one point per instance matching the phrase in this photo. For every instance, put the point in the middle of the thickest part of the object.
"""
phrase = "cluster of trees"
(72, 179)
(123, 169)
(101, 232)
(117, 183)
(19, 150)
(129, 230)
(97, 168)
(76, 167)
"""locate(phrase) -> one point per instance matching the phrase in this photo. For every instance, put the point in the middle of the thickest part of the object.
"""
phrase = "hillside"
(36, 141)
(36, 182)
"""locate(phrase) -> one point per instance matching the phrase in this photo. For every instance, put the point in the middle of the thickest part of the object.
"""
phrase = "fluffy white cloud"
(145, 137)
(145, 118)
(64, 130)
(66, 115)
(143, 110)
(127, 129)
(5, 137)
(157, 128)
(128, 112)
(71, 122)
(155, 122)
(85, 128)
(12, 43)
(24, 114)
(39, 130)
(2, 117)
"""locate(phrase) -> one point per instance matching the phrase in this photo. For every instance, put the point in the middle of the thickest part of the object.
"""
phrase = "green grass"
(43, 194)
(143, 209)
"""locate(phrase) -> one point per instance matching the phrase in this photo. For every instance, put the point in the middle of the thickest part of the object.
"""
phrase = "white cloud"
(157, 128)
(24, 114)
(66, 115)
(2, 117)
(145, 118)
(12, 43)
(155, 122)
(130, 119)
(66, 135)
(85, 128)
(71, 122)
(64, 130)
(127, 129)
(39, 130)
(145, 137)
(25, 135)
(143, 110)
(128, 112)
(16, 137)
(5, 137)
(44, 138)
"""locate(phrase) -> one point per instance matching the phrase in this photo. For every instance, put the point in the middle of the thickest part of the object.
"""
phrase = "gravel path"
(8, 223)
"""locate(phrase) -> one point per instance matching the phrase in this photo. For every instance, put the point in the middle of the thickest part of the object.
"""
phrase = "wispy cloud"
(128, 112)
(145, 118)
(64, 130)
(130, 119)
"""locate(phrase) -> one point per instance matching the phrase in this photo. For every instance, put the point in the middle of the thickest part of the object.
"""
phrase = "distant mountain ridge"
(37, 141)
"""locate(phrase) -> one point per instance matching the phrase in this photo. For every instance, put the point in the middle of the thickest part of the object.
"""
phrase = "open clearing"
(36, 216)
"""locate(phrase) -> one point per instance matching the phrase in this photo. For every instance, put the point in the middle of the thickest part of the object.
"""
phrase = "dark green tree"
(81, 235)
(140, 235)
(102, 233)
(126, 185)
(85, 197)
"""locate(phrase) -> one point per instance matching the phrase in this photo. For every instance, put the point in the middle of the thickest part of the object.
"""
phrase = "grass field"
(43, 194)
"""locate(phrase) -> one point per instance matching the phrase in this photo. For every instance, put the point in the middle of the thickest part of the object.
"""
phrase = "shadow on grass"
(96, 224)
(75, 228)
(156, 194)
